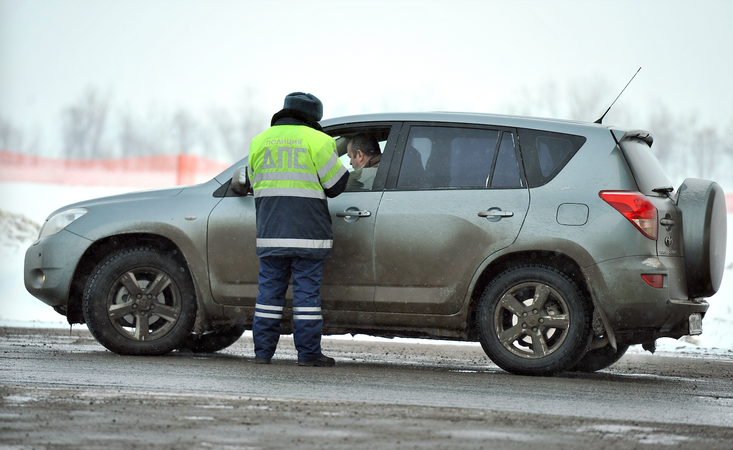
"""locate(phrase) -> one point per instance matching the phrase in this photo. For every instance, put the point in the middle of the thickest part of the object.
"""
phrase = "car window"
(647, 171)
(345, 157)
(364, 179)
(453, 157)
(544, 153)
(506, 169)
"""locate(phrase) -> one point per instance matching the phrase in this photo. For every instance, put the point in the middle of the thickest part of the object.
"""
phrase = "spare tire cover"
(704, 231)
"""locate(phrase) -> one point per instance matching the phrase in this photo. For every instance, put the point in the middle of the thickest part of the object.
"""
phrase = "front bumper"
(50, 264)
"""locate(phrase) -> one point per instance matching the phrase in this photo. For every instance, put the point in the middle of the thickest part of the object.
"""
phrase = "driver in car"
(364, 156)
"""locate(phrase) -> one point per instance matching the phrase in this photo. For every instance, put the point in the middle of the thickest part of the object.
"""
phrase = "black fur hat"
(306, 103)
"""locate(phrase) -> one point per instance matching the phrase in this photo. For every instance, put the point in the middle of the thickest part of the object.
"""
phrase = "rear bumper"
(637, 312)
(50, 264)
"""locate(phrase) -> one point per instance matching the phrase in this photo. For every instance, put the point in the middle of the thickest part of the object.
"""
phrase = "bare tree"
(669, 141)
(545, 101)
(11, 138)
(683, 147)
(706, 152)
(184, 132)
(14, 139)
(129, 138)
(686, 149)
(84, 126)
(235, 130)
(588, 100)
(142, 136)
(727, 151)
(225, 130)
(91, 130)
(584, 99)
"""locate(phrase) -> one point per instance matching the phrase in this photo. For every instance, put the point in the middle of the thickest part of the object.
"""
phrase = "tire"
(214, 341)
(704, 232)
(155, 322)
(533, 320)
(601, 358)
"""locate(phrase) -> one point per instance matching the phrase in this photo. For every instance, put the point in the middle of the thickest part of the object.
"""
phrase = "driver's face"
(356, 158)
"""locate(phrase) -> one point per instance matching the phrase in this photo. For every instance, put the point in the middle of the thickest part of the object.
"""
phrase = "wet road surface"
(380, 395)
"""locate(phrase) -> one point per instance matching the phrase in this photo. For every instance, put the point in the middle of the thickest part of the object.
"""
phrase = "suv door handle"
(350, 214)
(495, 214)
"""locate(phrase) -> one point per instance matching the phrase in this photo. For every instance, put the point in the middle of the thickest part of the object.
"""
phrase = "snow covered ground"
(24, 206)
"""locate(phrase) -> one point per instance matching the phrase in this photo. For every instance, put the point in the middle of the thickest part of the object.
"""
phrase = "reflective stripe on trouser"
(274, 275)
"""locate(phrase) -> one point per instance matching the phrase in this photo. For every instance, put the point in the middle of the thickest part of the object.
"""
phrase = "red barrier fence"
(141, 172)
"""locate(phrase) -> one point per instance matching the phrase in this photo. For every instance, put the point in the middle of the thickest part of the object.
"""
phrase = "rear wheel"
(533, 320)
(139, 302)
(601, 358)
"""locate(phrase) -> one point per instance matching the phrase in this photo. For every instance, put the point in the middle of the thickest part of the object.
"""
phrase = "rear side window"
(506, 169)
(453, 157)
(544, 154)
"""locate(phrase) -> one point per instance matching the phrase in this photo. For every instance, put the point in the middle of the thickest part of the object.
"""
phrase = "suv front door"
(348, 277)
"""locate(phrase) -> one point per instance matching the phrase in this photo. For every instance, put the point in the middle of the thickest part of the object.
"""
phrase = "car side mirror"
(240, 181)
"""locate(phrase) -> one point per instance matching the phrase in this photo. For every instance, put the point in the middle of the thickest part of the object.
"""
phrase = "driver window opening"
(363, 163)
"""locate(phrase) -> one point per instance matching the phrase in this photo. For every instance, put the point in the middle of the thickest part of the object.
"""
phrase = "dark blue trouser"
(307, 318)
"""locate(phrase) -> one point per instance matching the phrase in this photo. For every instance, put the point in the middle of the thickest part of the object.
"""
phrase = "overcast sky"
(361, 56)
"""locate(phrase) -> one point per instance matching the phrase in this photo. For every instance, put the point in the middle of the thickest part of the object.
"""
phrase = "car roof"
(567, 126)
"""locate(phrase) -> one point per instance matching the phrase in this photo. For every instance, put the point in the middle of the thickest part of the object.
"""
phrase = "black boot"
(321, 361)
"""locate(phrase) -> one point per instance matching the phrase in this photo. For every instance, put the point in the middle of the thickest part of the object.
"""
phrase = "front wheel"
(139, 302)
(533, 320)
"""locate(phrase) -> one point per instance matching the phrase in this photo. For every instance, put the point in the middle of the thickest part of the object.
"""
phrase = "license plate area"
(695, 321)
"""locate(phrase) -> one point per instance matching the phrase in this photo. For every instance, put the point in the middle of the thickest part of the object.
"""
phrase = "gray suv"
(554, 244)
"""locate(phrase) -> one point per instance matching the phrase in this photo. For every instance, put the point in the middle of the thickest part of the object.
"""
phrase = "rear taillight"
(653, 280)
(636, 208)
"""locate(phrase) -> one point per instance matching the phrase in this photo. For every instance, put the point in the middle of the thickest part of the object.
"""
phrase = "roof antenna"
(619, 95)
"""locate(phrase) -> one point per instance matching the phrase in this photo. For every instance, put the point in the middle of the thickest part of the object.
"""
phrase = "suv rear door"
(655, 185)
(457, 197)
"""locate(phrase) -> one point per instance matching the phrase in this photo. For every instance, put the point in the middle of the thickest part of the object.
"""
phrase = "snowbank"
(24, 205)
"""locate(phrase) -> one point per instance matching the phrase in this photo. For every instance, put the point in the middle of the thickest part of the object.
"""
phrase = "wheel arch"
(555, 260)
(106, 246)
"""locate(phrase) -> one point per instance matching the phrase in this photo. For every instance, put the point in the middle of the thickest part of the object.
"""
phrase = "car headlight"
(60, 221)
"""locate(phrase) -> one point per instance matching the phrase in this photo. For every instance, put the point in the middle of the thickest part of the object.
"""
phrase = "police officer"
(294, 168)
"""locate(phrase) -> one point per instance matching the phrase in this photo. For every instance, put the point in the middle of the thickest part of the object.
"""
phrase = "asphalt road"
(379, 395)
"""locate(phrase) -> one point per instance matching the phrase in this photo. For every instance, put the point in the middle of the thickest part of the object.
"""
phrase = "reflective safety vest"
(293, 169)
